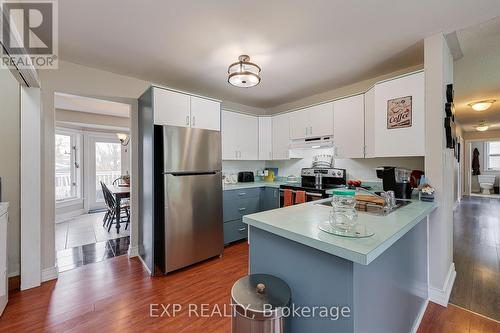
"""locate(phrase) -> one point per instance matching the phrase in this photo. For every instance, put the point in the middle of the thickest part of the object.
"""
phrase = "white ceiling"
(303, 47)
(477, 74)
(91, 105)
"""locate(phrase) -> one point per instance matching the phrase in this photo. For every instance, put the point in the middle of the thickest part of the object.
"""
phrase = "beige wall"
(91, 118)
(356, 88)
(10, 136)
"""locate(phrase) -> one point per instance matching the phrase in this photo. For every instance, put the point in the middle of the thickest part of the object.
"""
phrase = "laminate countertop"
(239, 186)
(299, 223)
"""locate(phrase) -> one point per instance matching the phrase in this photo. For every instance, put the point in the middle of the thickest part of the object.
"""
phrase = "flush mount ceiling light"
(482, 126)
(482, 105)
(243, 74)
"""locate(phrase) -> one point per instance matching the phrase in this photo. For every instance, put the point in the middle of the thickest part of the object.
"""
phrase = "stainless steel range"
(315, 182)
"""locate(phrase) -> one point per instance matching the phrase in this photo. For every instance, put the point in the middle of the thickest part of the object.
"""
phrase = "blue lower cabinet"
(238, 203)
(234, 231)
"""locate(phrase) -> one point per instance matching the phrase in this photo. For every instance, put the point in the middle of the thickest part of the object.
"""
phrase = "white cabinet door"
(320, 120)
(171, 108)
(205, 113)
(370, 123)
(349, 127)
(229, 133)
(265, 138)
(299, 124)
(248, 137)
(281, 136)
(407, 141)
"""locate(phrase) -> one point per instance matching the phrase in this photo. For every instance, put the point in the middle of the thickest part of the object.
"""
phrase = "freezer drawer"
(193, 228)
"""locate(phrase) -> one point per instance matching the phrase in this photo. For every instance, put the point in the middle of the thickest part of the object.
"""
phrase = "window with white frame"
(67, 168)
(492, 155)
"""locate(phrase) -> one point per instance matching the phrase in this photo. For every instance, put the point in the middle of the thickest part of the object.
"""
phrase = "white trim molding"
(133, 251)
(442, 296)
(419, 318)
(51, 273)
(69, 215)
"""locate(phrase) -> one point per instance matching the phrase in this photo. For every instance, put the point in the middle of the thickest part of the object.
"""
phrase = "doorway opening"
(92, 180)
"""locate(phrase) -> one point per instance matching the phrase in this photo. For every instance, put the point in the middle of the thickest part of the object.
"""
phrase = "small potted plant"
(427, 193)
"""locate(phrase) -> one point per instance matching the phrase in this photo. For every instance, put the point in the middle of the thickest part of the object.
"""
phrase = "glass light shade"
(482, 128)
(243, 74)
(481, 105)
(122, 136)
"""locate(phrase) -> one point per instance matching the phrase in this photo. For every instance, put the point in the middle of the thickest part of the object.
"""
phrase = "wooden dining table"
(119, 192)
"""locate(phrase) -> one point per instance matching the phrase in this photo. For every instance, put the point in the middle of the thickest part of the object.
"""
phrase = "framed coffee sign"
(399, 113)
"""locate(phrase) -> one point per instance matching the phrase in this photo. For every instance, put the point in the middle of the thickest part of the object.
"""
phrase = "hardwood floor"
(477, 256)
(438, 319)
(115, 296)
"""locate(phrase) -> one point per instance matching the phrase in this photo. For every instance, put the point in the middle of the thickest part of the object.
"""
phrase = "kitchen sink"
(371, 208)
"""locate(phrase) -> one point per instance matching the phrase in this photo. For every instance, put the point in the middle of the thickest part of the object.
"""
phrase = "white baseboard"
(144, 264)
(67, 216)
(420, 316)
(133, 251)
(442, 296)
(50, 273)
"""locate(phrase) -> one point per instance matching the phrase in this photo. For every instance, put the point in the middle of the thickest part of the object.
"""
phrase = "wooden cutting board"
(366, 198)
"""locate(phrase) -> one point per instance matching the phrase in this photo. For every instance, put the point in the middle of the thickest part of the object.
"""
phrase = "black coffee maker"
(397, 180)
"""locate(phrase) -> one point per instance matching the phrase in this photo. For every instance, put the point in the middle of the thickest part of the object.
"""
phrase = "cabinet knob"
(194, 121)
(187, 120)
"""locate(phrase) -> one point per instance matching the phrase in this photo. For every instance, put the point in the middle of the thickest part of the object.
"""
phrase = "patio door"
(107, 160)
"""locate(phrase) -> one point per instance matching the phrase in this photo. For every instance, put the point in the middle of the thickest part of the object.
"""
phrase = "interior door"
(106, 162)
(193, 218)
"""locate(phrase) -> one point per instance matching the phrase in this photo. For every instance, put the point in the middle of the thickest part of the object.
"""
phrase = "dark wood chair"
(109, 217)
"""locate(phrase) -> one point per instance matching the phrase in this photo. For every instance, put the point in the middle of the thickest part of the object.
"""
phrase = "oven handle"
(319, 195)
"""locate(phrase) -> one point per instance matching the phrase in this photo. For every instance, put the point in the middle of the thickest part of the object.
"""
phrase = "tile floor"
(91, 253)
(85, 229)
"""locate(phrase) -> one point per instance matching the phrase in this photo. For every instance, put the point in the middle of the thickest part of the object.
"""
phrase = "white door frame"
(31, 272)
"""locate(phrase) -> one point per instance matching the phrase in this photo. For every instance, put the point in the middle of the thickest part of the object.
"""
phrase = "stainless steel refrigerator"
(188, 223)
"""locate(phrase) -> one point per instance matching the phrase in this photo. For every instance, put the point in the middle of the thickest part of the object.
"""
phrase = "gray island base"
(371, 285)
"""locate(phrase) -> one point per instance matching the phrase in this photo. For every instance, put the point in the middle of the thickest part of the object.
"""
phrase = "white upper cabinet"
(299, 124)
(313, 121)
(240, 136)
(281, 136)
(401, 133)
(370, 123)
(320, 120)
(349, 127)
(229, 134)
(205, 113)
(171, 108)
(178, 109)
(265, 138)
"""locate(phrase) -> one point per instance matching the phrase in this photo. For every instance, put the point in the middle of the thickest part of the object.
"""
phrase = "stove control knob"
(339, 173)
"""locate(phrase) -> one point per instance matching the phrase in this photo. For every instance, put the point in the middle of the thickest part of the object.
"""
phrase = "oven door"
(310, 196)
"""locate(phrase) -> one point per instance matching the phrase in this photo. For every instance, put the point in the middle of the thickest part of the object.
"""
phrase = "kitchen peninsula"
(388, 268)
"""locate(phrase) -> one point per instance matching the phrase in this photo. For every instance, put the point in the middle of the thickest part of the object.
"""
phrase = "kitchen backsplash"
(362, 168)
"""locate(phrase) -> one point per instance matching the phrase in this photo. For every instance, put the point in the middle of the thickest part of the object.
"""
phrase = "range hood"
(313, 143)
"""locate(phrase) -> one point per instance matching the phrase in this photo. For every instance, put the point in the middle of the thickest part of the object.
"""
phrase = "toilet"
(486, 183)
